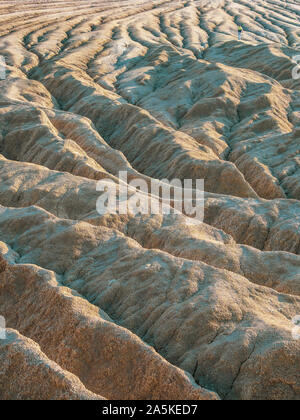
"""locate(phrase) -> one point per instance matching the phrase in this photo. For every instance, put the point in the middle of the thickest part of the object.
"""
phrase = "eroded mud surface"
(150, 307)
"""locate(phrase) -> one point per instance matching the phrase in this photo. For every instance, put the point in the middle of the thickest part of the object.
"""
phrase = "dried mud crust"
(159, 89)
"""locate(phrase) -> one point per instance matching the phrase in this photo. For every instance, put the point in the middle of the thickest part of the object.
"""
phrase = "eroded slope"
(159, 89)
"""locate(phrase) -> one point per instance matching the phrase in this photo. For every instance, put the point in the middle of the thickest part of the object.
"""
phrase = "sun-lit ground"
(166, 308)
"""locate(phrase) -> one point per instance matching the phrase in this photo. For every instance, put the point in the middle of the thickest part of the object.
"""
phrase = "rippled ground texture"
(149, 307)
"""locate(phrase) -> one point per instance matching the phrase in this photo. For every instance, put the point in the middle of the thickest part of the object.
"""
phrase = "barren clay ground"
(150, 306)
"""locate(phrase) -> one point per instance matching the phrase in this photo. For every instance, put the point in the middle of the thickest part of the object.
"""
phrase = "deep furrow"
(141, 300)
